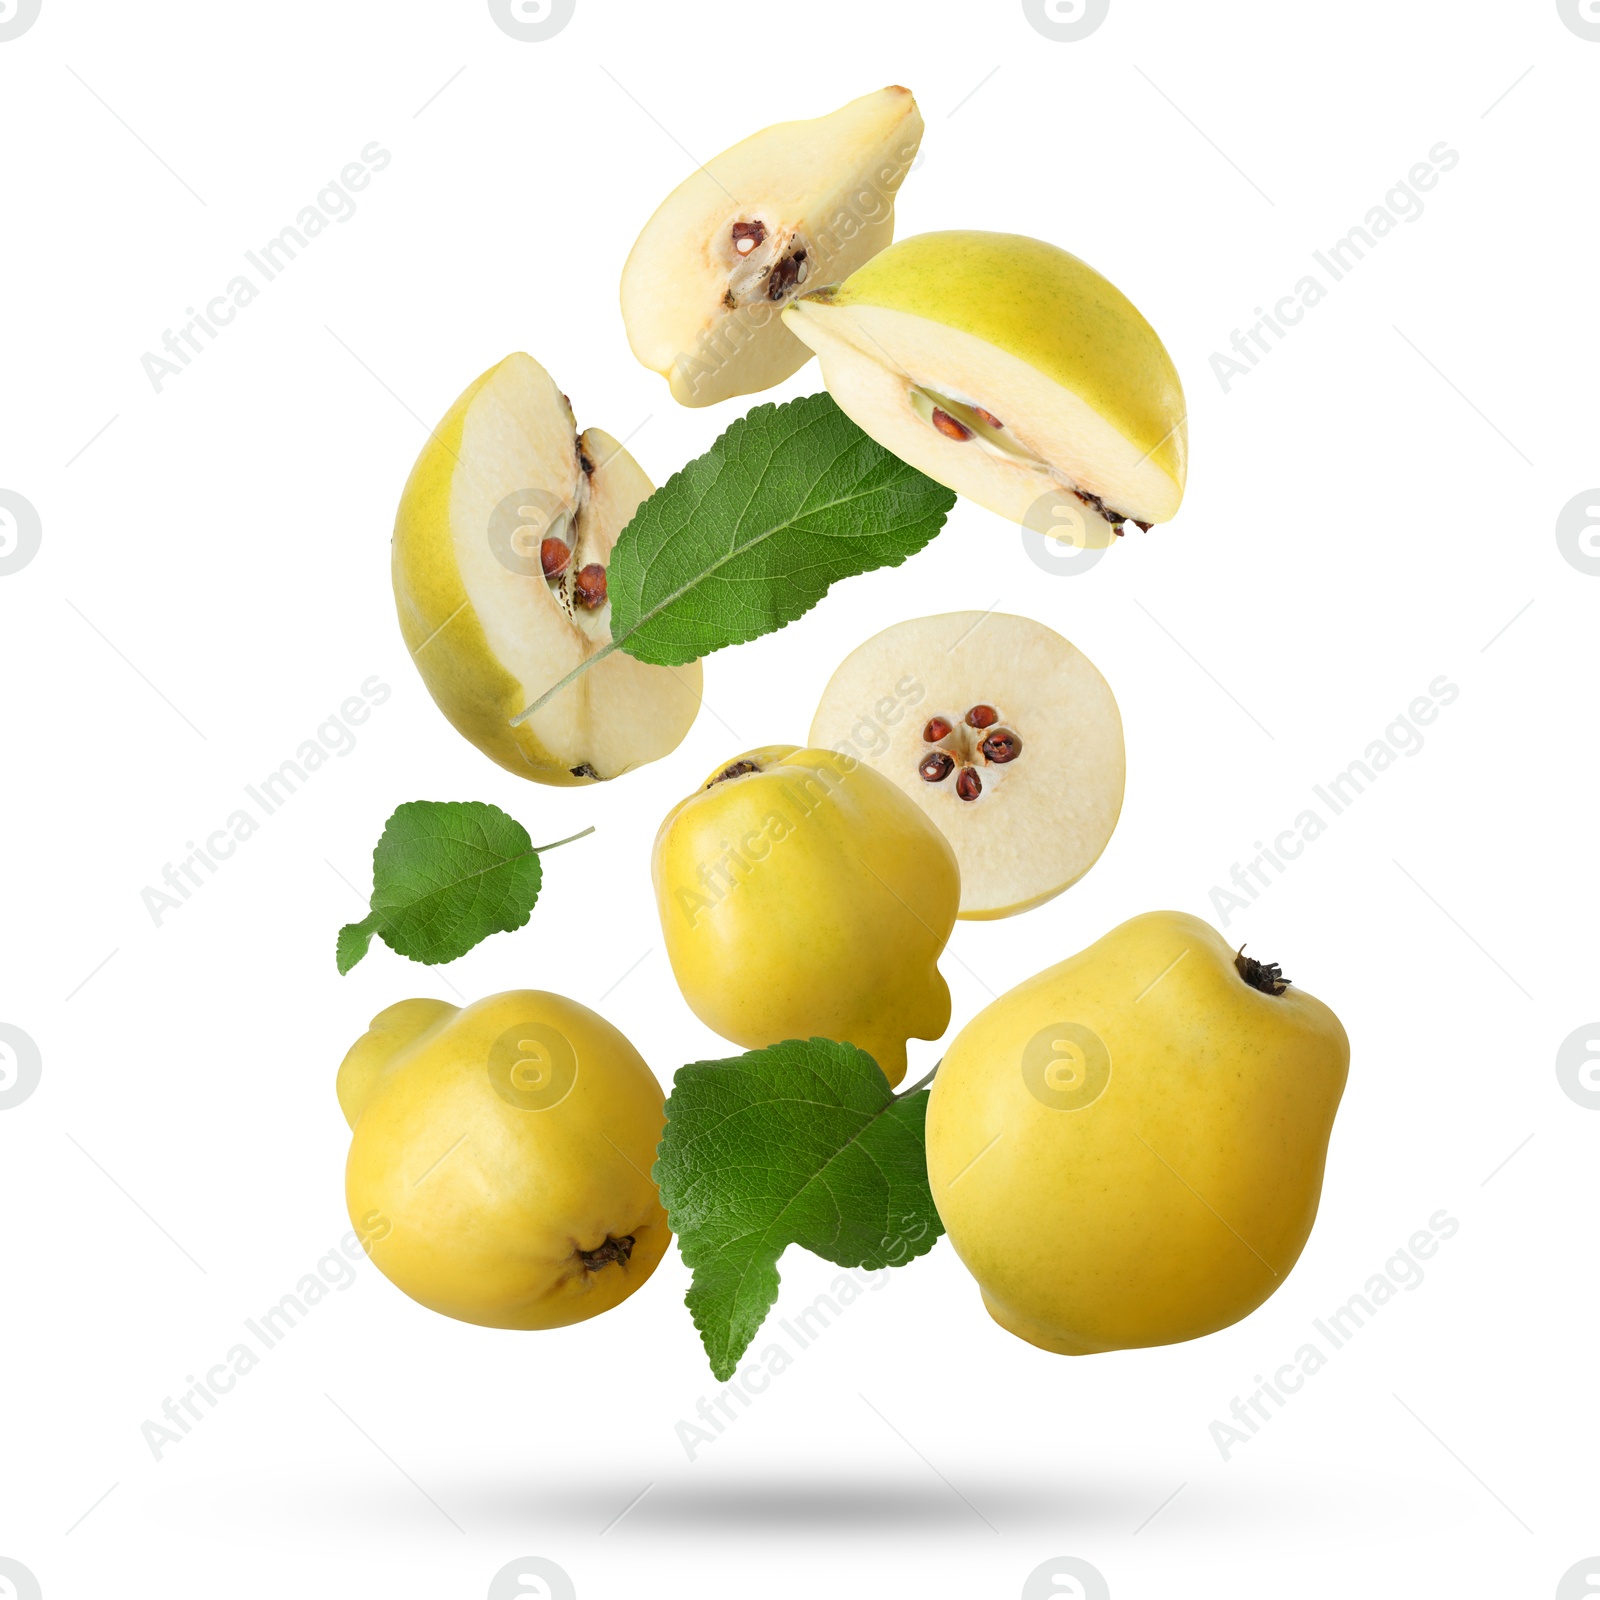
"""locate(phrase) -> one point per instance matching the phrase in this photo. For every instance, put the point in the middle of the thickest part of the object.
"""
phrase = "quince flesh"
(797, 204)
(501, 543)
(1011, 372)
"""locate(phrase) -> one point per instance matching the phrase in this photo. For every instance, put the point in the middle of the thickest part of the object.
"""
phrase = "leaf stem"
(539, 849)
(921, 1083)
(555, 689)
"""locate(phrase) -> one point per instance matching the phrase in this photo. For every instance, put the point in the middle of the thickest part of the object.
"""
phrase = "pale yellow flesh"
(1178, 1200)
(478, 1207)
(826, 185)
(808, 899)
(488, 637)
(1040, 821)
(1085, 393)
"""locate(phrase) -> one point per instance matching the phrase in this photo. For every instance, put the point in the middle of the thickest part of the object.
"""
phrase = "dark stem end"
(604, 1254)
(1266, 976)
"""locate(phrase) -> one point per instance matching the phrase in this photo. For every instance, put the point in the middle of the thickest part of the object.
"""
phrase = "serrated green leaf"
(445, 875)
(790, 499)
(355, 939)
(801, 1143)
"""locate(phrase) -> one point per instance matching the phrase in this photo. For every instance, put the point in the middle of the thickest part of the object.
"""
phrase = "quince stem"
(922, 1082)
(539, 849)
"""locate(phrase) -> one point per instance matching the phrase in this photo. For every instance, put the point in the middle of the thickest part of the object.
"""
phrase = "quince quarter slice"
(501, 545)
(794, 206)
(1011, 372)
(1002, 732)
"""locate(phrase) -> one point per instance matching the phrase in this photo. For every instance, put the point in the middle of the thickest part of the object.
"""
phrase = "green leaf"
(355, 939)
(790, 499)
(445, 875)
(801, 1143)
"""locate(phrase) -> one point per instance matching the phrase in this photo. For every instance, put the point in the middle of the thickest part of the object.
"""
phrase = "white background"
(1373, 506)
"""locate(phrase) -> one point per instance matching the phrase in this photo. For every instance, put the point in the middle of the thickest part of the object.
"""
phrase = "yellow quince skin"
(1128, 1148)
(500, 1157)
(802, 895)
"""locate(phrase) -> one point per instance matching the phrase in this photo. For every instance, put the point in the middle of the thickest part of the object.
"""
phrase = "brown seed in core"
(589, 587)
(783, 277)
(1001, 746)
(950, 427)
(989, 417)
(969, 785)
(937, 766)
(747, 235)
(553, 556)
(936, 730)
(982, 717)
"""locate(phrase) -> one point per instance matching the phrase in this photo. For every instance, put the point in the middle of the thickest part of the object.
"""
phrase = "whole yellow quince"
(803, 894)
(1127, 1149)
(499, 1169)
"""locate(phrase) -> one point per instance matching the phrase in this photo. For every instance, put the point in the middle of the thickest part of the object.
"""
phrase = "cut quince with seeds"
(501, 545)
(798, 204)
(1002, 732)
(1011, 372)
